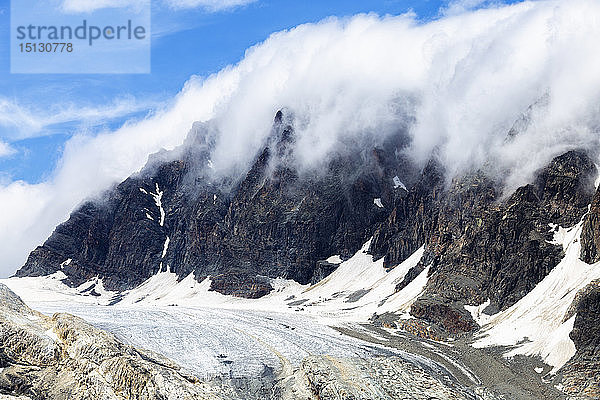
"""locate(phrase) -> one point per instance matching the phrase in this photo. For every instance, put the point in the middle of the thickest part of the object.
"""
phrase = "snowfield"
(211, 334)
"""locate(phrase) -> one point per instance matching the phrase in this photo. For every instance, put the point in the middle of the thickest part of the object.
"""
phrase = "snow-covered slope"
(359, 288)
(537, 324)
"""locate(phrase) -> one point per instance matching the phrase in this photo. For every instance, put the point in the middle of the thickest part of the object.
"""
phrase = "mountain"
(485, 248)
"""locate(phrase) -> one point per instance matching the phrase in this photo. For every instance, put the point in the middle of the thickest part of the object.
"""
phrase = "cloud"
(6, 150)
(461, 6)
(457, 84)
(87, 6)
(209, 5)
(20, 122)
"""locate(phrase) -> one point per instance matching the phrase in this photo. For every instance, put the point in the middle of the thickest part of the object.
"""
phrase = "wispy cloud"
(209, 5)
(21, 122)
(457, 7)
(87, 6)
(6, 150)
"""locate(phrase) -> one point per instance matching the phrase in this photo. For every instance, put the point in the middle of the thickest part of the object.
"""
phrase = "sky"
(459, 72)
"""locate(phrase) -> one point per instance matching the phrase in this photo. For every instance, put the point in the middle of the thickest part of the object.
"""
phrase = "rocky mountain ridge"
(279, 221)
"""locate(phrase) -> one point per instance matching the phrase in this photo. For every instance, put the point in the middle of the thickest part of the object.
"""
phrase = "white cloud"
(6, 149)
(460, 82)
(461, 6)
(87, 6)
(209, 5)
(22, 122)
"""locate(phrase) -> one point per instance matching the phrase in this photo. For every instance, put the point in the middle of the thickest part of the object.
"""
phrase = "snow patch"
(157, 197)
(358, 288)
(166, 247)
(65, 263)
(378, 202)
(398, 184)
(334, 260)
(477, 313)
(52, 335)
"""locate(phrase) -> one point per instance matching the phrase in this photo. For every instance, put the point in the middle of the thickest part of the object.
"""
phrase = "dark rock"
(322, 270)
(478, 244)
(581, 375)
(590, 233)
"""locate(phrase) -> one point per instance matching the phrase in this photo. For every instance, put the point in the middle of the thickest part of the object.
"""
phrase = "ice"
(534, 325)
(378, 202)
(200, 329)
(202, 339)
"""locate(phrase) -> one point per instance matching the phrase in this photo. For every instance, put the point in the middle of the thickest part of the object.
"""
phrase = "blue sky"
(44, 111)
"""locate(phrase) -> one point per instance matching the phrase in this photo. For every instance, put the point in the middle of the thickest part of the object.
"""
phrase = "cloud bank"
(459, 83)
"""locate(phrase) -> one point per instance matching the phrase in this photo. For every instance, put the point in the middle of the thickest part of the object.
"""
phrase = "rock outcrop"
(581, 375)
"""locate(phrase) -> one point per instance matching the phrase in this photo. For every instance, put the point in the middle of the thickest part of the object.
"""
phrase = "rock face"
(386, 378)
(65, 358)
(590, 233)
(274, 221)
(480, 245)
(581, 375)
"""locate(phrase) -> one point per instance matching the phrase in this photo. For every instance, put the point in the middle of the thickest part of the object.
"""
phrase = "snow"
(157, 197)
(378, 202)
(166, 247)
(398, 184)
(539, 370)
(334, 259)
(477, 313)
(65, 263)
(359, 287)
(534, 325)
(185, 321)
(52, 335)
